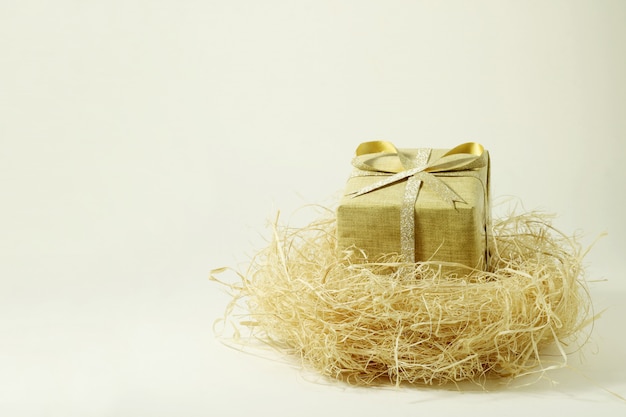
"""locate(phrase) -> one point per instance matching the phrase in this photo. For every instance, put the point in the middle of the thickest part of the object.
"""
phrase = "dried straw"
(410, 323)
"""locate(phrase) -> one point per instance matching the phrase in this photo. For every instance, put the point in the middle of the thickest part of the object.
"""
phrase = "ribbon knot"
(382, 158)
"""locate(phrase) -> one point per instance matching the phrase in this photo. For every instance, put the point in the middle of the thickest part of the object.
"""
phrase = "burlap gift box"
(449, 213)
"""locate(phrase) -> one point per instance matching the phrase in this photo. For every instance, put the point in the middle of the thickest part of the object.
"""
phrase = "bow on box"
(384, 159)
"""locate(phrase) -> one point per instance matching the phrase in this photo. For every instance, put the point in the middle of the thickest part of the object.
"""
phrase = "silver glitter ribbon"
(416, 171)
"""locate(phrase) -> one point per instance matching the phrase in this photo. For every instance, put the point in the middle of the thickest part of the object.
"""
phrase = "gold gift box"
(370, 225)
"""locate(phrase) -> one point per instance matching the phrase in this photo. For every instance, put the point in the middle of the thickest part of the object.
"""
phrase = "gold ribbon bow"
(383, 158)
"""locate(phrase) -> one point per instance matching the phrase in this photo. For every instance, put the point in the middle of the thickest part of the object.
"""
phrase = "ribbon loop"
(381, 156)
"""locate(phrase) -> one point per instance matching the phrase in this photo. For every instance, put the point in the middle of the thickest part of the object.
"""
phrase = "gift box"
(421, 204)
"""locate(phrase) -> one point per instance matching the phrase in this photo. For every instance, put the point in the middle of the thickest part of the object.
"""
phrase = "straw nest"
(388, 322)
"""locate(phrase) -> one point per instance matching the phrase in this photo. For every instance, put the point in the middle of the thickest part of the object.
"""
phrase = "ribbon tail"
(386, 181)
(441, 188)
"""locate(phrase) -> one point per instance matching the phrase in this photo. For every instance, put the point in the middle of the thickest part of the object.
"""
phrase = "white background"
(144, 143)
